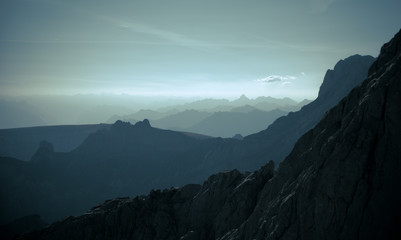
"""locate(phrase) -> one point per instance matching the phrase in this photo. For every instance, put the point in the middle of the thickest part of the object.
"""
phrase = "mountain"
(21, 143)
(217, 117)
(276, 142)
(244, 109)
(19, 114)
(224, 105)
(119, 160)
(227, 124)
(142, 114)
(181, 120)
(341, 181)
(127, 160)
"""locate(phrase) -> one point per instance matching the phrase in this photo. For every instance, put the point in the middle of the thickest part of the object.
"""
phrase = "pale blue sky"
(279, 48)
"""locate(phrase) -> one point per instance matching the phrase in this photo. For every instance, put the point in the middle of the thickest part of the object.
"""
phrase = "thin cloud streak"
(275, 78)
(172, 38)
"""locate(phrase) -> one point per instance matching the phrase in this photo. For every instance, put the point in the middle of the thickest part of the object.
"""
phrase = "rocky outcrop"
(341, 181)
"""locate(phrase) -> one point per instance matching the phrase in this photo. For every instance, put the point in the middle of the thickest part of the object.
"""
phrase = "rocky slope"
(341, 181)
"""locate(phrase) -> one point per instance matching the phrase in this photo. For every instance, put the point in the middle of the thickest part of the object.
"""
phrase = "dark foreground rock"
(206, 211)
(341, 181)
(20, 226)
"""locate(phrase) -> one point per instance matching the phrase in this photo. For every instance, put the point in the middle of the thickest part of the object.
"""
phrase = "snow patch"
(247, 179)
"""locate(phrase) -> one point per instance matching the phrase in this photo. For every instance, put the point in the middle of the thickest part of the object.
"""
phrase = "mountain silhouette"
(16, 114)
(181, 120)
(227, 124)
(120, 160)
(341, 181)
(217, 117)
(21, 143)
(276, 142)
(127, 160)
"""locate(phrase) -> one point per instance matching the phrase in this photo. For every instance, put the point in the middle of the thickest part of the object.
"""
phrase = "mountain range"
(340, 181)
(127, 160)
(22, 143)
(217, 117)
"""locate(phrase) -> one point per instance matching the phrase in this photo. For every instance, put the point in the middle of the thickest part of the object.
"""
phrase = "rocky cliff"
(341, 181)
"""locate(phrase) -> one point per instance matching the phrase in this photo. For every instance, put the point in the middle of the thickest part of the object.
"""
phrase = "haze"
(181, 49)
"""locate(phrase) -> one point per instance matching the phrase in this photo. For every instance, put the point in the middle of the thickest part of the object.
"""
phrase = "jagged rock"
(190, 212)
(145, 123)
(341, 181)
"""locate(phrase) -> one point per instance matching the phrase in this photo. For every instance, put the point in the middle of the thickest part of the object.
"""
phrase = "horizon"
(185, 49)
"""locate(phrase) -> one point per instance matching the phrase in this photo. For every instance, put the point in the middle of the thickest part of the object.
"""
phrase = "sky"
(279, 48)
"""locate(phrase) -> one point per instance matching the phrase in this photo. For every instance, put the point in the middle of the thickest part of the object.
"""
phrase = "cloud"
(276, 78)
(171, 37)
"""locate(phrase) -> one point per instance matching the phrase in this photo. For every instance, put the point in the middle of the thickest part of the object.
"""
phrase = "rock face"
(341, 181)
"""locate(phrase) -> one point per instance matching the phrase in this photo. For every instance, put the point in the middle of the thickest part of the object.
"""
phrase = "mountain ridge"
(121, 160)
(341, 181)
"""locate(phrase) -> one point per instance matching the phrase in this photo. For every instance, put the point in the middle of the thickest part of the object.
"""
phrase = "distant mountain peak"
(144, 124)
(121, 123)
(341, 72)
(141, 124)
(243, 97)
(44, 151)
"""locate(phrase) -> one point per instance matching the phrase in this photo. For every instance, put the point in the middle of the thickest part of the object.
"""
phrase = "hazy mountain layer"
(126, 160)
(122, 160)
(227, 124)
(217, 117)
(341, 181)
(22, 143)
(19, 114)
